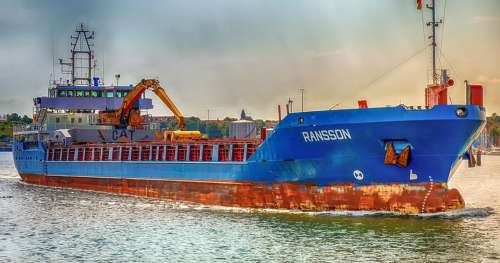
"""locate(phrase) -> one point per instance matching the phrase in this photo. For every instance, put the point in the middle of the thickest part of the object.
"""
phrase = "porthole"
(461, 112)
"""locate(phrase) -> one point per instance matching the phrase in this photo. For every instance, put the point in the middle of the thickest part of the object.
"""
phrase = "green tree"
(192, 123)
(495, 132)
(213, 131)
(14, 118)
(26, 120)
(259, 124)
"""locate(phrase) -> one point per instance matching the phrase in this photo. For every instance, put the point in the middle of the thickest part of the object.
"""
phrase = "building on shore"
(242, 129)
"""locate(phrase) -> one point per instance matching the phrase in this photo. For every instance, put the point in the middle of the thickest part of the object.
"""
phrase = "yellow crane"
(126, 115)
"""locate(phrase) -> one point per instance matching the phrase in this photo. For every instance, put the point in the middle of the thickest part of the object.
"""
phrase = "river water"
(54, 225)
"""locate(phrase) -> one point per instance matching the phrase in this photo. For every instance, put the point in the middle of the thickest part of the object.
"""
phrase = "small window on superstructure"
(72, 120)
(109, 94)
(79, 93)
(79, 120)
(94, 93)
(125, 93)
(58, 120)
(87, 93)
(61, 93)
(70, 93)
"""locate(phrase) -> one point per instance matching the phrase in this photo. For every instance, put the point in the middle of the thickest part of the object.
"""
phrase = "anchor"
(393, 158)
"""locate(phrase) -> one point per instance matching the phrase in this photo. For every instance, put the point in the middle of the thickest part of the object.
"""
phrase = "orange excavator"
(129, 116)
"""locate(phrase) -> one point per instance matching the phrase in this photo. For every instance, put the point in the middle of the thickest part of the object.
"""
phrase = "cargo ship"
(91, 136)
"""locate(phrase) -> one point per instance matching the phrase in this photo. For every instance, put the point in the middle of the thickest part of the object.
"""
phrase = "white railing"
(19, 128)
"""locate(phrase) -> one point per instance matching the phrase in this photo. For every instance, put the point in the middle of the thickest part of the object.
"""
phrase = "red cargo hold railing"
(220, 151)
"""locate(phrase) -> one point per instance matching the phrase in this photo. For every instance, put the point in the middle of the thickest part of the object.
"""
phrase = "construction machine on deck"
(128, 115)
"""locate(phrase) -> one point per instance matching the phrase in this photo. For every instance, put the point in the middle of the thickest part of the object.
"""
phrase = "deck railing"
(181, 152)
(26, 127)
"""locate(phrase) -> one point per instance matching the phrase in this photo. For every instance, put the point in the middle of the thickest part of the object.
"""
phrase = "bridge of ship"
(203, 151)
(84, 98)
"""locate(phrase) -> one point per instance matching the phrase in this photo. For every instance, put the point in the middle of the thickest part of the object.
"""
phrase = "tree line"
(493, 125)
(8, 121)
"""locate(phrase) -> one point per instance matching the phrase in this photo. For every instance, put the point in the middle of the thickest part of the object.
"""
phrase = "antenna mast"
(82, 55)
(434, 24)
(437, 92)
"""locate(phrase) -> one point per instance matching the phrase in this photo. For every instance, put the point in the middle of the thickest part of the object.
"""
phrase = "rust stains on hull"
(404, 198)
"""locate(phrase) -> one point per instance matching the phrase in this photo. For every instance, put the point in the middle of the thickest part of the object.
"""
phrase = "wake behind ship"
(90, 136)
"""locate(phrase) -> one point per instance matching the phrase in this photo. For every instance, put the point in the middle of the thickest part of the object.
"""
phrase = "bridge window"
(96, 93)
(121, 94)
(61, 93)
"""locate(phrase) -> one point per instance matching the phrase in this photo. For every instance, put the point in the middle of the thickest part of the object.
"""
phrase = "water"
(40, 224)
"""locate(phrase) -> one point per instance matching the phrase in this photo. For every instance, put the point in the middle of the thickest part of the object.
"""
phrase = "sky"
(228, 55)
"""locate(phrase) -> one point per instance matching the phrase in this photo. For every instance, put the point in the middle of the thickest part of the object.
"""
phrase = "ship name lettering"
(326, 135)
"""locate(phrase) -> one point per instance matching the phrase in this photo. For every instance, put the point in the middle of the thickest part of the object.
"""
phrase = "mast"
(437, 92)
(434, 24)
(82, 55)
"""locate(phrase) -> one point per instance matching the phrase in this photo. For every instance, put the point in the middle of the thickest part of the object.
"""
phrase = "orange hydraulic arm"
(160, 92)
(126, 116)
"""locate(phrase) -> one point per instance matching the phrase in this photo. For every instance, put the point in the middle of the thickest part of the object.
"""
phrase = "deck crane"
(128, 115)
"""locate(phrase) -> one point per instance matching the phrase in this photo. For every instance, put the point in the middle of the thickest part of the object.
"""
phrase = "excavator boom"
(160, 92)
(126, 115)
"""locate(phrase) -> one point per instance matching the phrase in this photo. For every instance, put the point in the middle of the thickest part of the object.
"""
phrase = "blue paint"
(6, 149)
(87, 103)
(438, 138)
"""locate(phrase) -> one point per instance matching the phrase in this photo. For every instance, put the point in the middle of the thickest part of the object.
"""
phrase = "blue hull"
(354, 146)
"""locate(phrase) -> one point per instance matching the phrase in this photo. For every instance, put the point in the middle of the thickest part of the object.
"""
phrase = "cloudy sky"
(225, 55)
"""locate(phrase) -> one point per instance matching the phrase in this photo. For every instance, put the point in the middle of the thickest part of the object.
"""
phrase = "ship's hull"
(5, 148)
(329, 160)
(405, 198)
